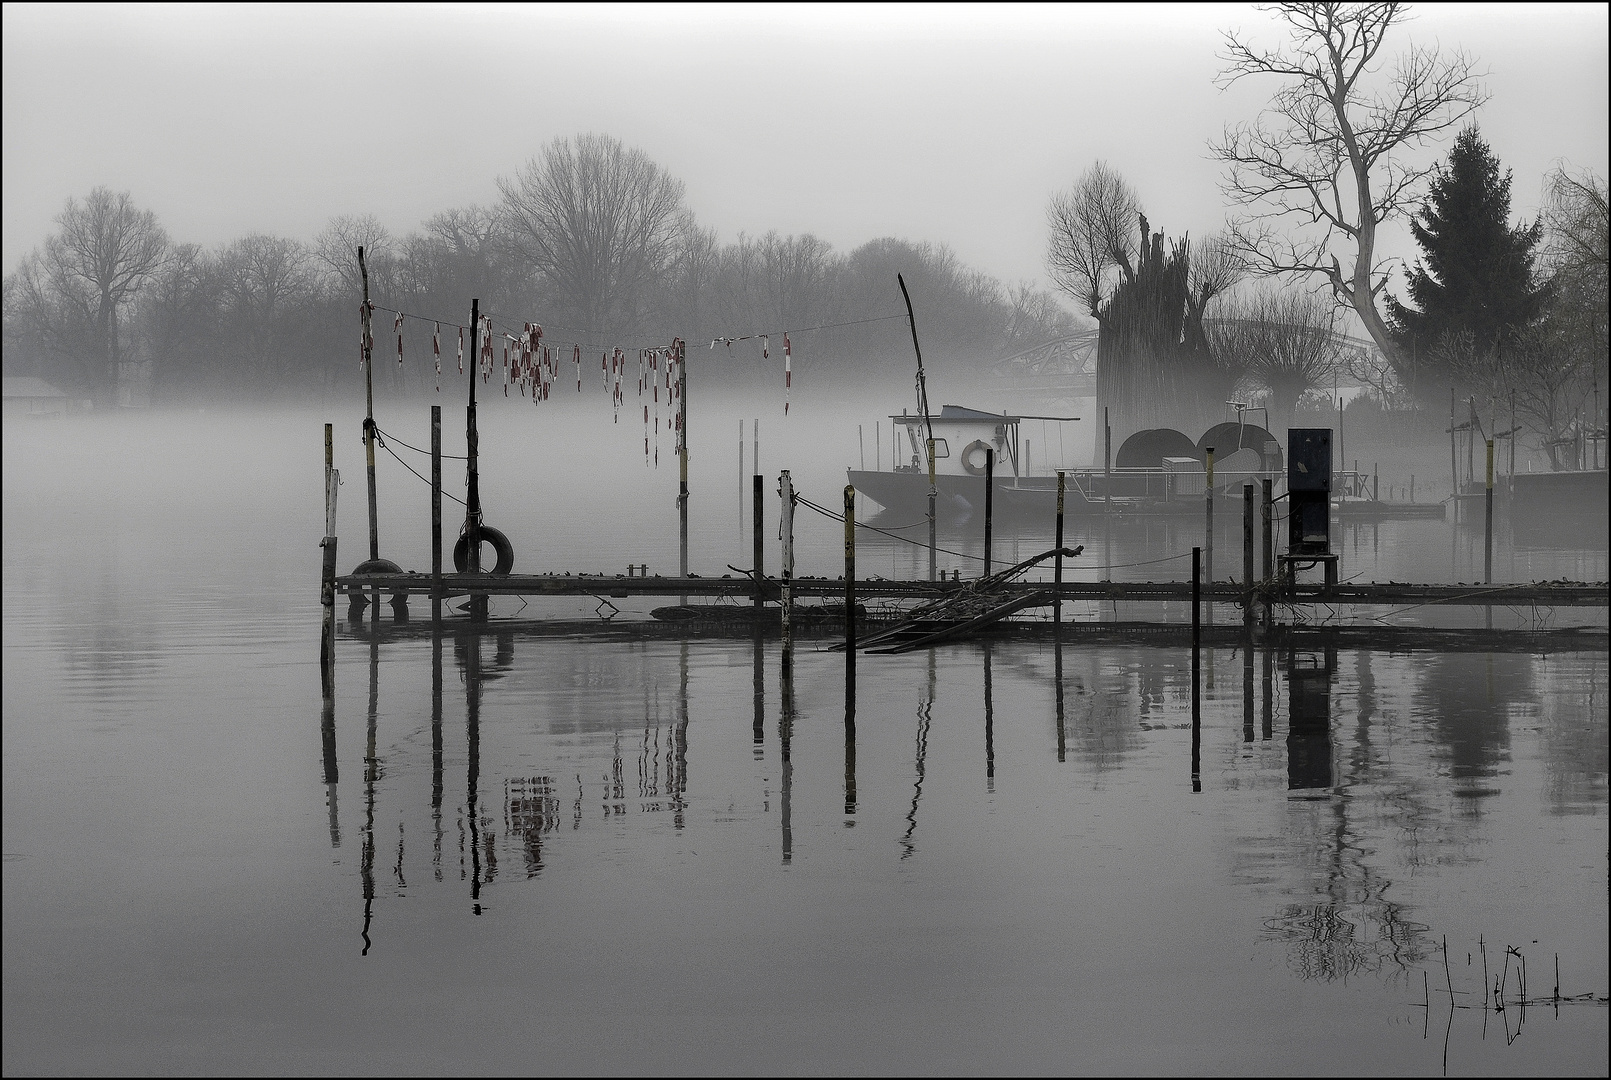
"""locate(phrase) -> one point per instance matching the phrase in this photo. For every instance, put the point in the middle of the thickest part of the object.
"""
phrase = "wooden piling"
(850, 578)
(682, 443)
(786, 491)
(758, 513)
(1488, 522)
(1107, 463)
(1057, 565)
(436, 515)
(990, 484)
(1247, 554)
(327, 575)
(934, 493)
(369, 413)
(472, 472)
(1208, 510)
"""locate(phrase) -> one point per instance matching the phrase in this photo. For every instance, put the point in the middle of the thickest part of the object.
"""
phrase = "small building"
(27, 395)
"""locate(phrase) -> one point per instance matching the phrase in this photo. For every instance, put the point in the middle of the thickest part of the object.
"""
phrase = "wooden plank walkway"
(1539, 593)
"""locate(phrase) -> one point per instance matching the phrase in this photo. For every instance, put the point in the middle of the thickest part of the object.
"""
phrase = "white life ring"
(983, 449)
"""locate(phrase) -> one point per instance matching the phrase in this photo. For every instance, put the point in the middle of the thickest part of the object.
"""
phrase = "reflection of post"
(366, 863)
(850, 586)
(679, 785)
(850, 742)
(1309, 720)
(1247, 692)
(924, 712)
(436, 751)
(990, 724)
(1488, 524)
(1247, 554)
(1268, 575)
(327, 729)
(785, 737)
(1057, 691)
(472, 731)
(1267, 689)
(327, 577)
(1196, 668)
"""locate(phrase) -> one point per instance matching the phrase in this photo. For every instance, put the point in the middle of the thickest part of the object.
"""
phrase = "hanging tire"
(983, 449)
(500, 544)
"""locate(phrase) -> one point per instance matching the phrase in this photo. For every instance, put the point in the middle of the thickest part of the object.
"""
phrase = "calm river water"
(518, 853)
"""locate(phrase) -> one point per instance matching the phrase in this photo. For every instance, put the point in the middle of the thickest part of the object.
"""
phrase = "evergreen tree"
(1474, 289)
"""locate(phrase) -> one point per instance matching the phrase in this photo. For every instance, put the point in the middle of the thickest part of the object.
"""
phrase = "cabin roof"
(956, 414)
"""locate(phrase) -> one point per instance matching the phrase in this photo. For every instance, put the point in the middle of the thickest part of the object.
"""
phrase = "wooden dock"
(1528, 594)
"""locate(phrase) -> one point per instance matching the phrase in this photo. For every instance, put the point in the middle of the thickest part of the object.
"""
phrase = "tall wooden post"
(1268, 546)
(1247, 554)
(850, 578)
(472, 470)
(681, 354)
(933, 496)
(1488, 522)
(436, 516)
(1107, 463)
(1057, 560)
(327, 573)
(786, 490)
(1208, 559)
(758, 513)
(369, 412)
(990, 491)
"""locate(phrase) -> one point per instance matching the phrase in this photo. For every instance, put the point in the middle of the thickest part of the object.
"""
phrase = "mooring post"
(933, 496)
(436, 516)
(1208, 507)
(741, 475)
(369, 414)
(1057, 560)
(786, 490)
(327, 573)
(1196, 668)
(850, 580)
(1247, 554)
(1107, 463)
(990, 485)
(472, 471)
(1268, 546)
(1488, 522)
(682, 446)
(758, 513)
(1375, 481)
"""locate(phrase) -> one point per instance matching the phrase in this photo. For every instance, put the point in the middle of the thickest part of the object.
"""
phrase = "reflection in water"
(759, 734)
(850, 735)
(1350, 926)
(924, 714)
(1309, 677)
(436, 755)
(1057, 694)
(785, 738)
(327, 732)
(990, 724)
(371, 774)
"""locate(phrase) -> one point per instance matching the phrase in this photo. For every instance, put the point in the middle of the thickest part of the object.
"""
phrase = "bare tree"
(1092, 235)
(597, 220)
(1325, 158)
(1286, 341)
(335, 251)
(107, 250)
(265, 282)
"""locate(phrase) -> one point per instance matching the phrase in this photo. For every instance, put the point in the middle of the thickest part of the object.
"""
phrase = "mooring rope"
(417, 450)
(410, 468)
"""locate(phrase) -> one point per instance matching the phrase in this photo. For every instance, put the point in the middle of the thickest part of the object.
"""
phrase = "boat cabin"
(961, 438)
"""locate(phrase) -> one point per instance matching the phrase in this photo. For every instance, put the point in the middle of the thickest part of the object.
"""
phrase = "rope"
(417, 450)
(409, 467)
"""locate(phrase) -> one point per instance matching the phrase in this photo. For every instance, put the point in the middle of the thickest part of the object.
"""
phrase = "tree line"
(591, 239)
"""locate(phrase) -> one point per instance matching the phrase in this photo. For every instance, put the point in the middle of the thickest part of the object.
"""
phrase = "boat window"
(941, 449)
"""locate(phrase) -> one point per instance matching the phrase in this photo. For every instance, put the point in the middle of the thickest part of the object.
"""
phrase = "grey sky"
(949, 124)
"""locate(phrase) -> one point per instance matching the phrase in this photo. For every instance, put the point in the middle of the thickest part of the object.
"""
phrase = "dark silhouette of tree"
(1286, 339)
(1475, 280)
